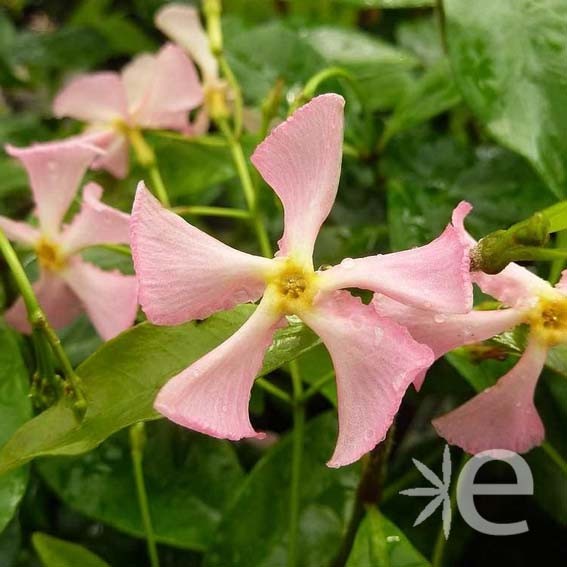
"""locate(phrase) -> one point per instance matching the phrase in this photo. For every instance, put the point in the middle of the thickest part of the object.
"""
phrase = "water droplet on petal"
(468, 332)
(224, 408)
(440, 318)
(428, 305)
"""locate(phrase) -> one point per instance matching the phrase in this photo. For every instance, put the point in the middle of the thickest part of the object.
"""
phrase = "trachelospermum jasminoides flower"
(152, 92)
(184, 274)
(67, 284)
(503, 416)
(182, 24)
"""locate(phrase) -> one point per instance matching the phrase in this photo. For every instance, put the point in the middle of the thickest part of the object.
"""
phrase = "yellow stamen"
(548, 319)
(50, 255)
(292, 287)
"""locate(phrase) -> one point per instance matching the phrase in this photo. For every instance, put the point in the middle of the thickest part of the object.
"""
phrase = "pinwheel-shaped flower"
(503, 416)
(181, 23)
(185, 274)
(151, 92)
(67, 284)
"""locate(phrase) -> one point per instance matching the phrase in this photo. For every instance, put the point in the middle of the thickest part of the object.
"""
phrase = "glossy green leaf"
(55, 552)
(261, 507)
(122, 379)
(380, 543)
(510, 62)
(179, 467)
(15, 409)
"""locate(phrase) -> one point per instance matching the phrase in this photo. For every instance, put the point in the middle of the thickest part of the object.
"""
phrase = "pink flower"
(181, 23)
(153, 91)
(67, 284)
(184, 274)
(503, 416)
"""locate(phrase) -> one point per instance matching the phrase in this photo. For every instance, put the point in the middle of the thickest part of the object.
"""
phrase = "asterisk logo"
(439, 490)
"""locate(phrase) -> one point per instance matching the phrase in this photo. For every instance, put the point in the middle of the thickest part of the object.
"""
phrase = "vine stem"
(212, 212)
(296, 463)
(137, 443)
(39, 322)
(555, 456)
(247, 187)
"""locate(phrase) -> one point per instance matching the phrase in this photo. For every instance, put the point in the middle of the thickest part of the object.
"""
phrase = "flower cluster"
(422, 298)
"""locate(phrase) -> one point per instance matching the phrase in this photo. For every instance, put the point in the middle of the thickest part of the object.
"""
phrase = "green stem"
(137, 443)
(296, 463)
(555, 456)
(39, 322)
(146, 157)
(316, 387)
(158, 185)
(274, 390)
(247, 187)
(236, 93)
(212, 212)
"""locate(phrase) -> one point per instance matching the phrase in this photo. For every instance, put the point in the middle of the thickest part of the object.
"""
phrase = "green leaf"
(261, 507)
(388, 3)
(15, 409)
(198, 471)
(382, 70)
(122, 379)
(428, 175)
(55, 552)
(510, 62)
(434, 93)
(380, 543)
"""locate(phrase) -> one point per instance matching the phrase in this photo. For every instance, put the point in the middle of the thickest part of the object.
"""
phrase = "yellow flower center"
(50, 255)
(291, 287)
(548, 319)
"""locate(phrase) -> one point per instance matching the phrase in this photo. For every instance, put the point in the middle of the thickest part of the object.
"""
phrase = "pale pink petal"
(115, 160)
(212, 395)
(301, 161)
(55, 171)
(60, 305)
(562, 283)
(503, 416)
(201, 123)
(182, 272)
(181, 23)
(109, 298)
(514, 286)
(435, 277)
(19, 231)
(163, 88)
(96, 97)
(445, 332)
(96, 223)
(375, 360)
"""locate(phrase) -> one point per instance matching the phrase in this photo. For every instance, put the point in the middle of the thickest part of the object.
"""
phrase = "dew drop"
(392, 539)
(468, 332)
(224, 408)
(428, 305)
(440, 318)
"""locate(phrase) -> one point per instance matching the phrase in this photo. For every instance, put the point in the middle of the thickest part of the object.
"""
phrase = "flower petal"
(163, 88)
(115, 158)
(60, 305)
(514, 286)
(301, 161)
(503, 416)
(96, 97)
(182, 24)
(109, 298)
(182, 272)
(55, 171)
(435, 277)
(212, 395)
(96, 223)
(562, 283)
(445, 332)
(19, 231)
(375, 360)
